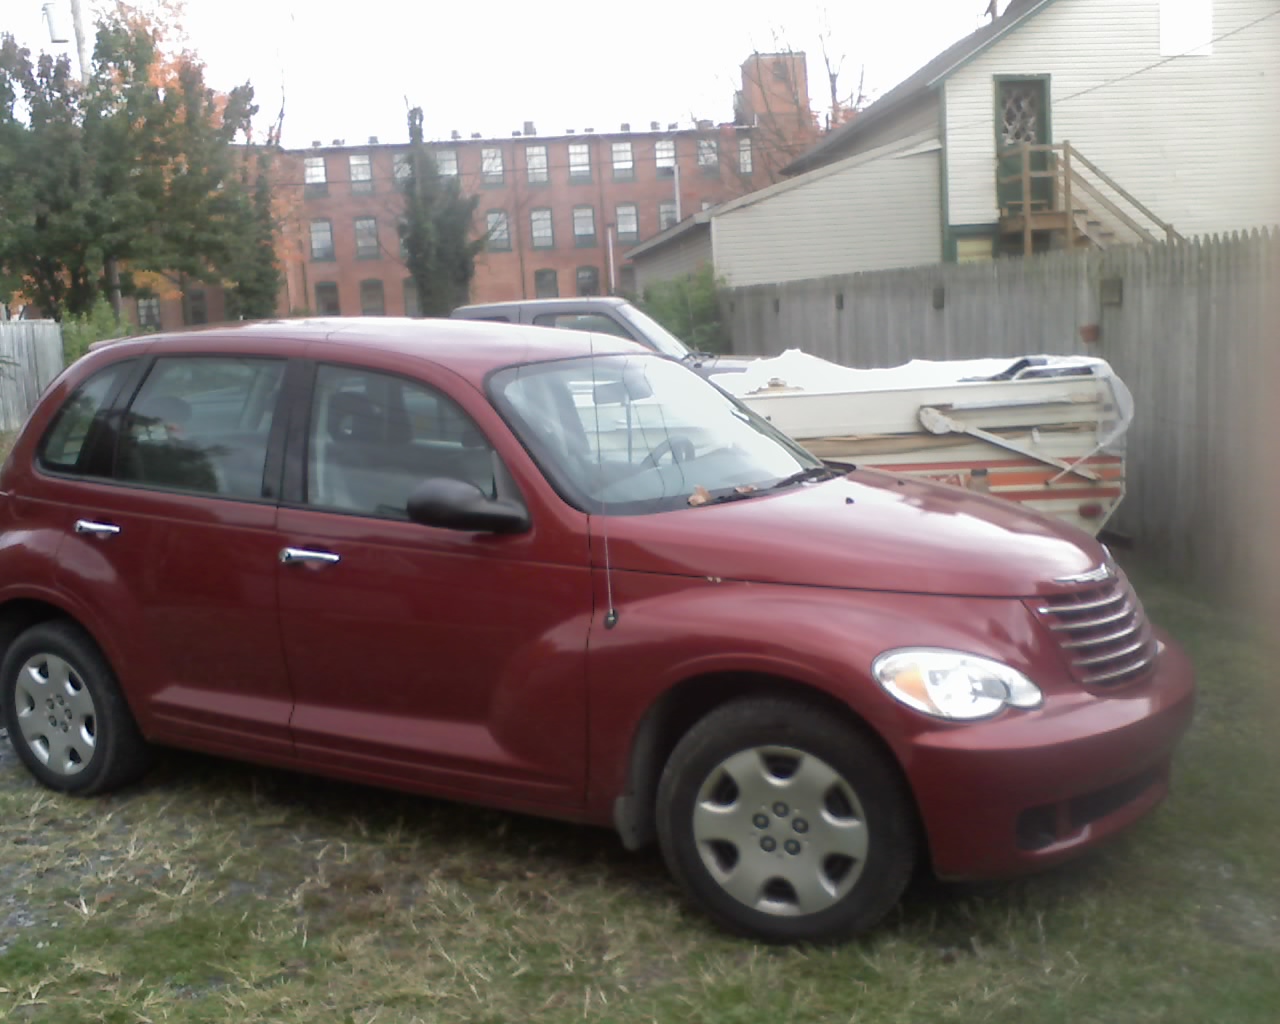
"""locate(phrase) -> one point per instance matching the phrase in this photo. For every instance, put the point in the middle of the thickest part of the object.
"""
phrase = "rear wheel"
(784, 824)
(65, 714)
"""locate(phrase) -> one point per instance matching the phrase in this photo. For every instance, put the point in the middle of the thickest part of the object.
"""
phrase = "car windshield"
(661, 338)
(630, 435)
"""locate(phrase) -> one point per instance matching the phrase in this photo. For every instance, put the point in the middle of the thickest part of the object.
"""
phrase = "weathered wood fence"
(1193, 329)
(30, 357)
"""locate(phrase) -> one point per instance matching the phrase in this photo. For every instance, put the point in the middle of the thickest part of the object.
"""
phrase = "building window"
(315, 180)
(401, 169)
(666, 214)
(321, 240)
(535, 160)
(540, 227)
(372, 300)
(412, 305)
(402, 228)
(545, 285)
(579, 161)
(1186, 28)
(367, 239)
(197, 307)
(624, 165)
(628, 219)
(664, 156)
(584, 226)
(498, 238)
(361, 172)
(588, 280)
(447, 162)
(708, 156)
(327, 299)
(149, 313)
(744, 156)
(491, 165)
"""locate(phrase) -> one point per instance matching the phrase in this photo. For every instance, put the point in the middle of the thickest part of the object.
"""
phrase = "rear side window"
(594, 322)
(64, 444)
(201, 424)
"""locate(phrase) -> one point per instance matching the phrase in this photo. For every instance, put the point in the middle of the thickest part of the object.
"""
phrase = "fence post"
(1066, 195)
(1026, 199)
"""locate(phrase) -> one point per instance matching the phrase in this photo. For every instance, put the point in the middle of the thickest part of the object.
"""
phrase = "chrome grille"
(1102, 630)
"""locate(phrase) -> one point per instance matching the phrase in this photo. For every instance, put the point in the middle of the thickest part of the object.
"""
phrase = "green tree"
(440, 253)
(689, 307)
(46, 197)
(137, 168)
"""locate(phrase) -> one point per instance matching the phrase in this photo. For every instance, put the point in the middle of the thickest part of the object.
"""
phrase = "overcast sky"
(346, 69)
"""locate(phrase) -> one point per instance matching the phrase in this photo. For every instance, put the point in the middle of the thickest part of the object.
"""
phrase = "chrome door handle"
(294, 556)
(96, 529)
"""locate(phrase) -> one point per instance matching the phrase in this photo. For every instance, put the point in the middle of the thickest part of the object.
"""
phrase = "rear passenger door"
(170, 518)
(429, 658)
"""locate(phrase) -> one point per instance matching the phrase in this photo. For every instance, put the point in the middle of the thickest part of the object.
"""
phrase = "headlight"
(952, 684)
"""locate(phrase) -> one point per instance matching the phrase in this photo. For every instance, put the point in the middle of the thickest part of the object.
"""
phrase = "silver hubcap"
(780, 830)
(56, 714)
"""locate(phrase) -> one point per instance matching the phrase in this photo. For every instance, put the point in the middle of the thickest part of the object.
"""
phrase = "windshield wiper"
(805, 475)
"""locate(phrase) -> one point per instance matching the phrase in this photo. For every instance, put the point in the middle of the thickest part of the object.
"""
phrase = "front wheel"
(784, 823)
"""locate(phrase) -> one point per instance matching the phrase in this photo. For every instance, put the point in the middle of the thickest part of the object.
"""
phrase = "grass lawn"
(217, 892)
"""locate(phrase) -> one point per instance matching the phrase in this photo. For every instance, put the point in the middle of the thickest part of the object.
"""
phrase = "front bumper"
(1030, 789)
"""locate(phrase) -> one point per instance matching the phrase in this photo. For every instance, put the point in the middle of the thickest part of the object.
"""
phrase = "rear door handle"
(88, 526)
(295, 556)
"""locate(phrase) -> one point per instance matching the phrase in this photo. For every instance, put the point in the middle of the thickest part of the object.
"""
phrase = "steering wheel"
(679, 447)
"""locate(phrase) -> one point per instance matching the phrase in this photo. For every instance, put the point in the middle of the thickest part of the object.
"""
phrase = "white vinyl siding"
(682, 256)
(868, 213)
(1191, 138)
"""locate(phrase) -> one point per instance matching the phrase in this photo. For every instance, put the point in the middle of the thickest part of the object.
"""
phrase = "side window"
(63, 445)
(374, 437)
(201, 423)
(597, 322)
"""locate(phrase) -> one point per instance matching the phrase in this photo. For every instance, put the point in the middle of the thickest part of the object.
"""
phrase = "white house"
(1062, 122)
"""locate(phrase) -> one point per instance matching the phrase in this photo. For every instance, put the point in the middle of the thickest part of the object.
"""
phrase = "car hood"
(867, 531)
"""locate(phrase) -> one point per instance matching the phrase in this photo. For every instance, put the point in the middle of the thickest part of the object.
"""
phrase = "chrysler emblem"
(1103, 572)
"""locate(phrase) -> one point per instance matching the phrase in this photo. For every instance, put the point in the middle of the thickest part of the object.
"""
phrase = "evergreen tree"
(440, 253)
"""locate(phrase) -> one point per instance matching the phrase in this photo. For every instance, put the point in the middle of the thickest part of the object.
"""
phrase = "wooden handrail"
(1067, 177)
(1106, 178)
(1114, 209)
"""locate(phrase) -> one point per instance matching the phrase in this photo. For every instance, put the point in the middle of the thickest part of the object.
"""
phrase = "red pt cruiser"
(553, 572)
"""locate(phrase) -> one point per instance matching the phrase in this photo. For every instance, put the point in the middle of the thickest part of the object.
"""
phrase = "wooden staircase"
(1058, 199)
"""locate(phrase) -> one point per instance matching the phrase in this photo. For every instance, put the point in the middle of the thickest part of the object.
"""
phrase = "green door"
(1022, 116)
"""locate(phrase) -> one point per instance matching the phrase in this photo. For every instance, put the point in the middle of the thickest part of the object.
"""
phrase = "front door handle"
(88, 526)
(295, 556)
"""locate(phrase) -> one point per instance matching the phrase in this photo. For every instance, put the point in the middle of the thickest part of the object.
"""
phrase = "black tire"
(851, 882)
(91, 743)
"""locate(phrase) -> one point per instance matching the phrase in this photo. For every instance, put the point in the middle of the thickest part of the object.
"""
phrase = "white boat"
(1044, 431)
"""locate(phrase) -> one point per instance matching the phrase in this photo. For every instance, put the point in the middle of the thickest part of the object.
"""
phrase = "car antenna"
(610, 616)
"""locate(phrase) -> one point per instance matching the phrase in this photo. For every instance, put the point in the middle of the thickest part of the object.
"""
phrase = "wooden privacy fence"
(30, 357)
(1192, 328)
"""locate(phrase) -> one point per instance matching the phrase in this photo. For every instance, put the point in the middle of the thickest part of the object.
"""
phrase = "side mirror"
(457, 505)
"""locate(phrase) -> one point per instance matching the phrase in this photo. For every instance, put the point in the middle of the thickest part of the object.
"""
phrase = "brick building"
(561, 209)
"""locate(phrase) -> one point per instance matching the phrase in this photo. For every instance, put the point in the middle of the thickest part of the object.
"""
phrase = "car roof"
(498, 307)
(470, 348)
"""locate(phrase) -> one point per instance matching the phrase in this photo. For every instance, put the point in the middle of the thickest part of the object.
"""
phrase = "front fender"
(673, 632)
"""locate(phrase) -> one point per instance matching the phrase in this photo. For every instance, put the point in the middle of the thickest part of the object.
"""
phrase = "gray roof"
(915, 85)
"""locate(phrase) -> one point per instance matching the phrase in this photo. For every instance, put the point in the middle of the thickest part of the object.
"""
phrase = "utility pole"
(112, 266)
(78, 24)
